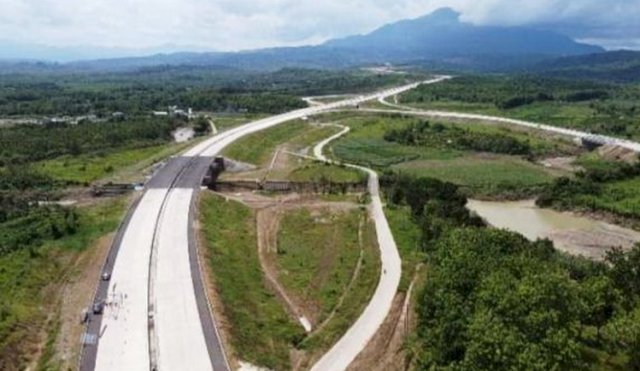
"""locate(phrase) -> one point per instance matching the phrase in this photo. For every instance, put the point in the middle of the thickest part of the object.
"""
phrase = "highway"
(596, 138)
(157, 315)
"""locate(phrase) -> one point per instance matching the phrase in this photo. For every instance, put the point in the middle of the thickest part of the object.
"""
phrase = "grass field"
(356, 297)
(30, 277)
(317, 265)
(484, 174)
(313, 171)
(117, 165)
(261, 331)
(480, 172)
(259, 147)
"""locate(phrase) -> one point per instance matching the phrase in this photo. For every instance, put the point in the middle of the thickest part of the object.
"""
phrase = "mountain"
(439, 38)
(617, 66)
(442, 35)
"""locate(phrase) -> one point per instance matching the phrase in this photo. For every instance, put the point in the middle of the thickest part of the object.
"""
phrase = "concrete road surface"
(123, 333)
(158, 316)
(157, 313)
(358, 335)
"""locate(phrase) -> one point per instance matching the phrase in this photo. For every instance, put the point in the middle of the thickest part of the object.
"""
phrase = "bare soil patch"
(77, 295)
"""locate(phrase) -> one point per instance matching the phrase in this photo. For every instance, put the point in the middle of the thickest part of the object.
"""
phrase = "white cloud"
(242, 24)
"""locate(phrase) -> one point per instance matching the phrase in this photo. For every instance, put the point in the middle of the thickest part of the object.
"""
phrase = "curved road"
(340, 356)
(602, 139)
(157, 316)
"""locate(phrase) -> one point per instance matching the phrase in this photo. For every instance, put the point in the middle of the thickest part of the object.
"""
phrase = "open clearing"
(480, 171)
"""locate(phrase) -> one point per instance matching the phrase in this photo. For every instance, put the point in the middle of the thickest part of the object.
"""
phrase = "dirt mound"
(615, 153)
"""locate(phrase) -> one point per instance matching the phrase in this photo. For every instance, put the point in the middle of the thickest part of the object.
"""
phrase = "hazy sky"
(242, 24)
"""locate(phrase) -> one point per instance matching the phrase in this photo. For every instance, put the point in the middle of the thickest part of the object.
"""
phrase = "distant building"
(174, 111)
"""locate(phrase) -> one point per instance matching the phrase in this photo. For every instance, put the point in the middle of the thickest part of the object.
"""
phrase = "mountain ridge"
(436, 36)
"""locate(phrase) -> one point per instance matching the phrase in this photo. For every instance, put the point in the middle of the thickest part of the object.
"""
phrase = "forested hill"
(617, 66)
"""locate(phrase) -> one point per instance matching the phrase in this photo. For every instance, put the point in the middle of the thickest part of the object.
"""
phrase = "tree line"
(585, 189)
(423, 133)
(493, 300)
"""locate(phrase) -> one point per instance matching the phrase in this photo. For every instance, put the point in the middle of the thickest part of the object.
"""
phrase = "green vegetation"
(449, 152)
(87, 168)
(313, 171)
(131, 94)
(30, 143)
(483, 174)
(317, 265)
(202, 88)
(261, 331)
(355, 298)
(259, 147)
(610, 187)
(38, 261)
(493, 300)
(422, 133)
(591, 106)
(407, 236)
(365, 143)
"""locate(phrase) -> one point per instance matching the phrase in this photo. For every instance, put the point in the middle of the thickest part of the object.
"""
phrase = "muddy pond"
(570, 233)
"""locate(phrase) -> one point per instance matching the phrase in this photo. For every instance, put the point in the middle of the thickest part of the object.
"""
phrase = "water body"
(570, 233)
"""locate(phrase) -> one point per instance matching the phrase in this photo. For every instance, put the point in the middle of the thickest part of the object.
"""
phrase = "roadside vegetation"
(329, 272)
(597, 107)
(117, 165)
(317, 265)
(283, 153)
(313, 171)
(38, 247)
(356, 297)
(261, 331)
(493, 300)
(258, 148)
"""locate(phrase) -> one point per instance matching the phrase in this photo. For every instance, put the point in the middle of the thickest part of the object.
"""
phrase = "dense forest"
(156, 88)
(28, 143)
(494, 301)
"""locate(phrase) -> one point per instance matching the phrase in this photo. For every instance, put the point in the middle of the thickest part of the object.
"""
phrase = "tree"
(600, 299)
(624, 334)
(625, 273)
(201, 126)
